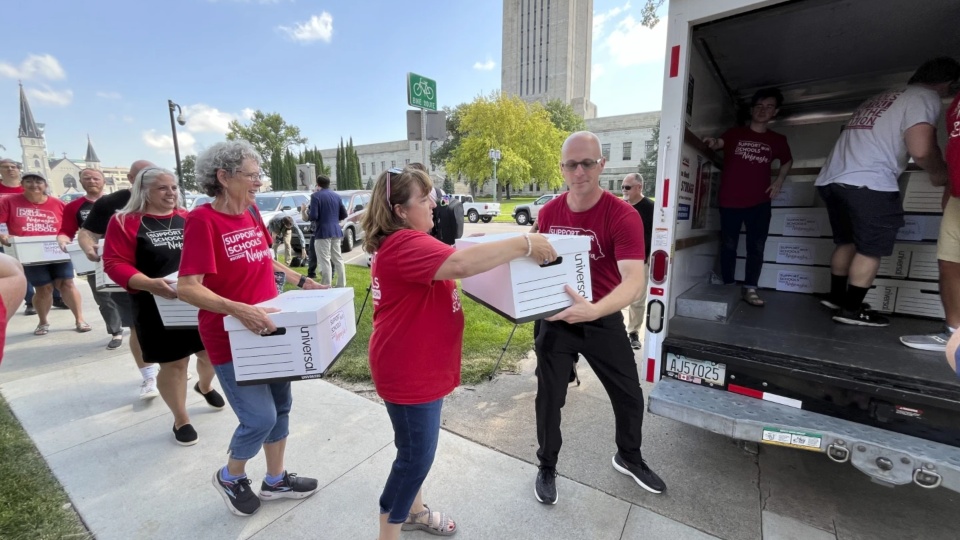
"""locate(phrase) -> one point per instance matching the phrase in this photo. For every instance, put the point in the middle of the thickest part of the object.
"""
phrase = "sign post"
(422, 93)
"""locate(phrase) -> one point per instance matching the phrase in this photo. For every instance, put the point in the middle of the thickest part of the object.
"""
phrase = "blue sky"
(335, 68)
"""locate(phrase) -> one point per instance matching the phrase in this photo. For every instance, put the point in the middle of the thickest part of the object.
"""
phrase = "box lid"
(561, 242)
(33, 239)
(299, 308)
(73, 247)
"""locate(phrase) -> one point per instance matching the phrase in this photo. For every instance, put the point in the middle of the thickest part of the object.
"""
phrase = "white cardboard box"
(918, 228)
(176, 313)
(81, 264)
(810, 222)
(35, 250)
(882, 298)
(923, 301)
(523, 291)
(818, 251)
(796, 192)
(923, 264)
(789, 277)
(920, 195)
(314, 327)
(104, 283)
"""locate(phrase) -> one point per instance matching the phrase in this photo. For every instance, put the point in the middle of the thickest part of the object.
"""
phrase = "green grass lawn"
(484, 334)
(32, 503)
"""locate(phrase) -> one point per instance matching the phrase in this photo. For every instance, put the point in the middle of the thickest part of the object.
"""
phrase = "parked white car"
(475, 211)
(526, 214)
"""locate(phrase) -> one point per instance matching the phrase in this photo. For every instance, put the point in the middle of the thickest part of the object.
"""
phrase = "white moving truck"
(786, 374)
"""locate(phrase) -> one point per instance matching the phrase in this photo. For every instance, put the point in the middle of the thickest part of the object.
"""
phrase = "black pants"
(756, 219)
(605, 345)
(312, 253)
(108, 307)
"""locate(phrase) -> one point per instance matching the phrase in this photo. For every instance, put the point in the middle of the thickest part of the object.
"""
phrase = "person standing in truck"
(948, 243)
(858, 182)
(746, 190)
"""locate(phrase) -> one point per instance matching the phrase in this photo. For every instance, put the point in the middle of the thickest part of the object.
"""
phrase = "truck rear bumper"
(886, 456)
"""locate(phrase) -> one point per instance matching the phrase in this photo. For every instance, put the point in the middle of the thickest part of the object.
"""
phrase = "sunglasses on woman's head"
(396, 171)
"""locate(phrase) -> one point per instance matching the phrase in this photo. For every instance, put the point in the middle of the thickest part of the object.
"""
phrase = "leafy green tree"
(648, 12)
(648, 165)
(275, 166)
(442, 154)
(448, 186)
(564, 117)
(266, 132)
(188, 178)
(528, 141)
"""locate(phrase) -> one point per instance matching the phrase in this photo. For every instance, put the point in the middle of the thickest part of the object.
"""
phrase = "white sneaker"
(148, 388)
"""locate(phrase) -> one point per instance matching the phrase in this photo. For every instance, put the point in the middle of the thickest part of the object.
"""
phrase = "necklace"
(164, 227)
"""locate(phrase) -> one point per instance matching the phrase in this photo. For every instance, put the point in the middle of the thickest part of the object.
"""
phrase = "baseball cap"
(24, 176)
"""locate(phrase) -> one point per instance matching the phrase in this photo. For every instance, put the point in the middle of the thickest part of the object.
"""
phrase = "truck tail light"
(658, 266)
(655, 316)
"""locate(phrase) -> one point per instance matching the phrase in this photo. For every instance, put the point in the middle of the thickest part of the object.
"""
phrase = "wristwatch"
(303, 279)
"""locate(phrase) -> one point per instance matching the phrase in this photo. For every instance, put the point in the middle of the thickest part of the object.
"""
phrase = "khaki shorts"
(948, 244)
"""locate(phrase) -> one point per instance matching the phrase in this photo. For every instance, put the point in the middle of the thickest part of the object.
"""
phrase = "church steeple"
(28, 127)
(91, 154)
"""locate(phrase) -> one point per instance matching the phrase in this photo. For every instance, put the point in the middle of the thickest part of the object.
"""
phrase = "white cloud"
(202, 118)
(34, 67)
(247, 114)
(60, 98)
(318, 28)
(109, 95)
(632, 44)
(600, 19)
(164, 142)
(484, 66)
(596, 71)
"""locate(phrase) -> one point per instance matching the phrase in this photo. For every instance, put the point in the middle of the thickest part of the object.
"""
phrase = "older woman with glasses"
(227, 268)
(410, 373)
(143, 245)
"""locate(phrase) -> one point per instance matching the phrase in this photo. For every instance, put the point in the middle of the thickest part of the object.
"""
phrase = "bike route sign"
(421, 92)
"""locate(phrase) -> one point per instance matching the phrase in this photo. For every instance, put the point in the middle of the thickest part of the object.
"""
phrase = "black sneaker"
(545, 488)
(29, 310)
(214, 399)
(642, 474)
(185, 435)
(862, 317)
(291, 487)
(635, 341)
(237, 495)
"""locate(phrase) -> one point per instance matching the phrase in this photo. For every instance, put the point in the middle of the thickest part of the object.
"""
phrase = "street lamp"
(176, 147)
(495, 157)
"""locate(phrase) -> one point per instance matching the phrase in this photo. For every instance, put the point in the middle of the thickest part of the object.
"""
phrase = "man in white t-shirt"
(858, 182)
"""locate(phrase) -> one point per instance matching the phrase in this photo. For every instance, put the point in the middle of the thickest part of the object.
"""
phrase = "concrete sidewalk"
(118, 461)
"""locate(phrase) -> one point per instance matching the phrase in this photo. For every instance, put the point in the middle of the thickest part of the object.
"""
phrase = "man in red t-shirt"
(745, 188)
(9, 177)
(948, 243)
(593, 329)
(73, 215)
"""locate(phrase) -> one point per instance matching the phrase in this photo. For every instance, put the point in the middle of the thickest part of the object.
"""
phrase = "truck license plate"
(696, 371)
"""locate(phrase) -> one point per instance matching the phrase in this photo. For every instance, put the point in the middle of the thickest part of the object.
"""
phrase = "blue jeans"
(262, 409)
(756, 220)
(416, 429)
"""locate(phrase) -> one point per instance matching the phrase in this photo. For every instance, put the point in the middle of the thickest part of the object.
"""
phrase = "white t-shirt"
(871, 152)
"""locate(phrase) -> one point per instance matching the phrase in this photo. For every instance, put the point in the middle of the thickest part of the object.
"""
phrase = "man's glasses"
(396, 171)
(626, 188)
(587, 164)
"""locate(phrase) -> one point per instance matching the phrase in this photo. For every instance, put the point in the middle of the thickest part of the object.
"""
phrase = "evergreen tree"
(648, 165)
(276, 170)
(290, 170)
(370, 183)
(448, 185)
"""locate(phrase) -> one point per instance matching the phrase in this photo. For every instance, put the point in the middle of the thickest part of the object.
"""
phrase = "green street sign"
(421, 92)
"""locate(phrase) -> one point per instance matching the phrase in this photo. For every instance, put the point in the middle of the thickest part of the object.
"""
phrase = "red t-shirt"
(4, 190)
(233, 255)
(953, 146)
(616, 233)
(23, 218)
(417, 338)
(747, 160)
(143, 244)
(74, 213)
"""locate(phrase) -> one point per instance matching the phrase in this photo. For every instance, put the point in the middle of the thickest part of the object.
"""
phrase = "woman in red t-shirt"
(34, 213)
(745, 188)
(142, 247)
(13, 285)
(227, 267)
(418, 331)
